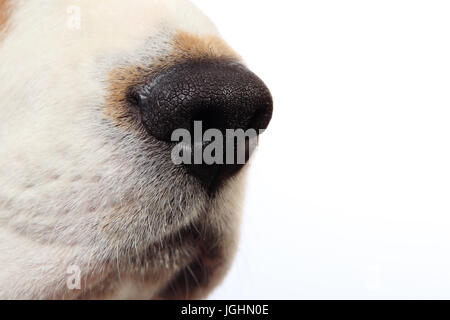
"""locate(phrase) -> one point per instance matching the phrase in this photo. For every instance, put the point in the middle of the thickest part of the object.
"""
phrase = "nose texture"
(223, 95)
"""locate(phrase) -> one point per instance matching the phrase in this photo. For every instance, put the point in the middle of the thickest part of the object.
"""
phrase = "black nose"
(223, 95)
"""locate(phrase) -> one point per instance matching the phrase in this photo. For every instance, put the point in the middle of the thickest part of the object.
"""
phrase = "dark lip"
(214, 176)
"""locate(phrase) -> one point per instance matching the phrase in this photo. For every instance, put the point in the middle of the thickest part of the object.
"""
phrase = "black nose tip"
(222, 95)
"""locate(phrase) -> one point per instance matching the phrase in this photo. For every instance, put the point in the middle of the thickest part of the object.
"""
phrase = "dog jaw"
(79, 187)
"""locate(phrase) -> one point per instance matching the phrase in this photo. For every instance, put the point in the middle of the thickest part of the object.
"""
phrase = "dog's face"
(90, 94)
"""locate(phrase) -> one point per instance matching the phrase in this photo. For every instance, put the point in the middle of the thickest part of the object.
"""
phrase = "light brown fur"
(186, 47)
(5, 13)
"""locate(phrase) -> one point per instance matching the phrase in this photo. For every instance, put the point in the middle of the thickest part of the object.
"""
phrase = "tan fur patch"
(191, 47)
(186, 47)
(5, 13)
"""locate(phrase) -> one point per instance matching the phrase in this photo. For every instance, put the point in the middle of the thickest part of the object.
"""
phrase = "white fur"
(74, 188)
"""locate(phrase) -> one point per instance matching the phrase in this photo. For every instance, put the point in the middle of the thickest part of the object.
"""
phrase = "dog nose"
(222, 95)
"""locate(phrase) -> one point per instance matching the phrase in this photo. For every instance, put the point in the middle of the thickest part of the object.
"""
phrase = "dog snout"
(222, 95)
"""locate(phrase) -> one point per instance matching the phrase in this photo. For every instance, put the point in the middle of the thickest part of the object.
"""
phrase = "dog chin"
(186, 262)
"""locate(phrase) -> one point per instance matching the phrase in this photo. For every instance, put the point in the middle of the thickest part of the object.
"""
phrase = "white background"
(349, 196)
